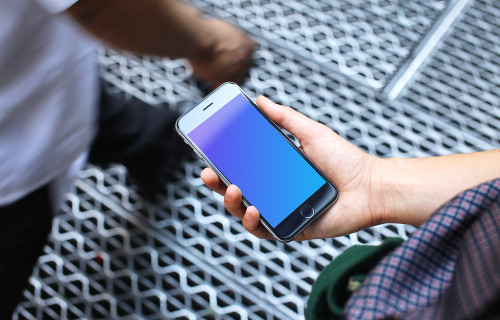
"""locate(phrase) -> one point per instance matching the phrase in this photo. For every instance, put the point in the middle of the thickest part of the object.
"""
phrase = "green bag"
(342, 277)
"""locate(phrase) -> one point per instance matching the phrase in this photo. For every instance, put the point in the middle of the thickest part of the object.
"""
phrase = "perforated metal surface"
(113, 255)
(366, 40)
(461, 83)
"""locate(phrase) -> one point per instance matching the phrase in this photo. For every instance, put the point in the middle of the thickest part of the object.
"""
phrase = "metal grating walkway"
(397, 78)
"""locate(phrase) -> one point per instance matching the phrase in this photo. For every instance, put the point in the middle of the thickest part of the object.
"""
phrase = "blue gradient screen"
(251, 154)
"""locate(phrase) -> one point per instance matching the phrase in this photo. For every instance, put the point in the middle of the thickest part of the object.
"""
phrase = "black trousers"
(137, 135)
(130, 132)
(23, 233)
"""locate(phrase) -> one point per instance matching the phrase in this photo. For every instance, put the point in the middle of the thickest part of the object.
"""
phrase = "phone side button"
(199, 155)
(307, 211)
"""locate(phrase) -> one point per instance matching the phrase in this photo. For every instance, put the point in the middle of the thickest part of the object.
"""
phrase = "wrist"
(387, 180)
(205, 44)
(406, 192)
(190, 35)
(379, 197)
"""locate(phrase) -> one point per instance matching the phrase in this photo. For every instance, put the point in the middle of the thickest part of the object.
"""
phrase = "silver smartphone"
(235, 138)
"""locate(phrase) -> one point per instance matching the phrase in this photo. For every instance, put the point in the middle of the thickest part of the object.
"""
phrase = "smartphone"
(235, 138)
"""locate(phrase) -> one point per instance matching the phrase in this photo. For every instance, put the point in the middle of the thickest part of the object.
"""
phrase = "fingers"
(250, 216)
(212, 181)
(232, 194)
(295, 122)
(232, 202)
(251, 222)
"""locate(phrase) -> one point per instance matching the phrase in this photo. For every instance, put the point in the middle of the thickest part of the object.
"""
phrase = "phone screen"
(251, 154)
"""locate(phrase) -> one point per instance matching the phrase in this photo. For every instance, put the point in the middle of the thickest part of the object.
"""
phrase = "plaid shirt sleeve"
(448, 269)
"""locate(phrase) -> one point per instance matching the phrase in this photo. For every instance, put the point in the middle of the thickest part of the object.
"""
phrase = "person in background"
(54, 115)
(448, 269)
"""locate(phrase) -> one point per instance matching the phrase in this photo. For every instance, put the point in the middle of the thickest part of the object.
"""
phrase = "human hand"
(356, 174)
(229, 56)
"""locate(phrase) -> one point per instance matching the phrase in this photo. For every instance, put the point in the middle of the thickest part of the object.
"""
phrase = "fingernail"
(228, 196)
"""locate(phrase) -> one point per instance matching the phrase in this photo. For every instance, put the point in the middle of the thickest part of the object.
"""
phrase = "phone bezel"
(294, 223)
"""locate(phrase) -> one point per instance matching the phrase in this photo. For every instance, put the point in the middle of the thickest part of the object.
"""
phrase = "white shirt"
(49, 86)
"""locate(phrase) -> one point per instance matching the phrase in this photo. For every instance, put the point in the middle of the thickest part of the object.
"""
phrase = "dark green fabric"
(344, 274)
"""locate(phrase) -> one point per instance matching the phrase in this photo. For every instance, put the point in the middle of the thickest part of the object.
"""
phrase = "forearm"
(414, 188)
(157, 27)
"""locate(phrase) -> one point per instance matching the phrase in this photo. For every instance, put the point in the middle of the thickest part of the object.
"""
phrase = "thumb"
(294, 122)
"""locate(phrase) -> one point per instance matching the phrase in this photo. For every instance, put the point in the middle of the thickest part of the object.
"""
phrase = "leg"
(139, 136)
(23, 233)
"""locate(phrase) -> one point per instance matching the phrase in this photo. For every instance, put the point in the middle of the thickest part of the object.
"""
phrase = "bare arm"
(161, 27)
(415, 188)
(172, 29)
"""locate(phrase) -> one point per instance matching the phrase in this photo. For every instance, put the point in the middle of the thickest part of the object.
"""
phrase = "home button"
(307, 211)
